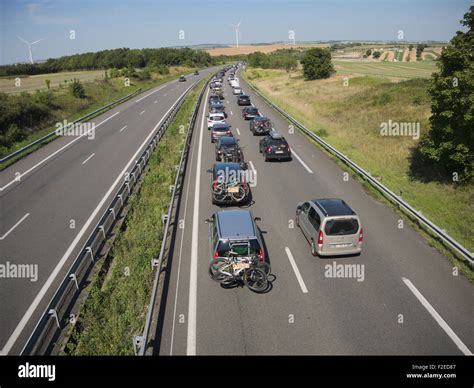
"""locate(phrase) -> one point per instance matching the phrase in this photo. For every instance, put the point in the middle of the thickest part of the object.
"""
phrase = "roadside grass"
(330, 109)
(116, 308)
(99, 93)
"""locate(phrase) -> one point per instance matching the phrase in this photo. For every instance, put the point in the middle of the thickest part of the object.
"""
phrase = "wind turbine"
(236, 27)
(29, 46)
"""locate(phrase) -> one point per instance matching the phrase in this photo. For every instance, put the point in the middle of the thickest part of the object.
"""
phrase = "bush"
(77, 89)
(317, 64)
(376, 54)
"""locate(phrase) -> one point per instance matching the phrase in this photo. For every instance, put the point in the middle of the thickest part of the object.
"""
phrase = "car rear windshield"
(341, 227)
(220, 129)
(242, 248)
(216, 118)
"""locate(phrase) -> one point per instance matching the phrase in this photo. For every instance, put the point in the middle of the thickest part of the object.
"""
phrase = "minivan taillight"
(216, 255)
(269, 149)
(320, 239)
(215, 184)
(361, 235)
(260, 255)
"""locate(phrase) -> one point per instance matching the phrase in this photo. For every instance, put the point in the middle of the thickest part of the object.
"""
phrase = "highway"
(52, 199)
(408, 302)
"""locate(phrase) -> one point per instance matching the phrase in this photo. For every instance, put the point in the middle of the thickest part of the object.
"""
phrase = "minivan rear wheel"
(314, 252)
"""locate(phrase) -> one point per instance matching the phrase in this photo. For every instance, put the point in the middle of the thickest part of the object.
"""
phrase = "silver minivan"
(331, 227)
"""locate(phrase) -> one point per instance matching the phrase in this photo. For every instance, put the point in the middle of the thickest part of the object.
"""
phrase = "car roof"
(243, 96)
(276, 135)
(236, 223)
(230, 165)
(220, 125)
(333, 207)
(227, 140)
(220, 114)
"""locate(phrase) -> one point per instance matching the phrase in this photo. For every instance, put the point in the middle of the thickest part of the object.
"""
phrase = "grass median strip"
(116, 308)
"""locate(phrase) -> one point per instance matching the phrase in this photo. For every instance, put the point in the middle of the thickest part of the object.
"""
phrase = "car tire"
(314, 252)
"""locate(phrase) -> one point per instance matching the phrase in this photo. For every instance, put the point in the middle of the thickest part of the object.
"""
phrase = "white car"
(214, 118)
(235, 83)
(237, 91)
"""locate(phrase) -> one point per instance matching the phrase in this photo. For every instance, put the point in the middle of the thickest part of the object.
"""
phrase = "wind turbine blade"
(23, 40)
(39, 40)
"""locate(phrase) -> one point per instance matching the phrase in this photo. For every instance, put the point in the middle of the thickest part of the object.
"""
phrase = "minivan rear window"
(242, 248)
(341, 227)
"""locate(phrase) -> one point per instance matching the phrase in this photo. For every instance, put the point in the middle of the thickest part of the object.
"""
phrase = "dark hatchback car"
(243, 99)
(250, 112)
(182, 78)
(275, 146)
(228, 150)
(261, 125)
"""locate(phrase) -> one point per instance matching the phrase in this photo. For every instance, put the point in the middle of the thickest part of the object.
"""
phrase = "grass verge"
(116, 308)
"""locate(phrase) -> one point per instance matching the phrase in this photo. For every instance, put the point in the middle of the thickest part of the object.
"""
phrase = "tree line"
(116, 58)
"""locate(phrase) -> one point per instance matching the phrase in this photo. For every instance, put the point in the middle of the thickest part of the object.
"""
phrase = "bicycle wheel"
(255, 279)
(221, 270)
(240, 195)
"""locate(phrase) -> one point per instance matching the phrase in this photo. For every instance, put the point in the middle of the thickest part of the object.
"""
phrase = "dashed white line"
(237, 130)
(231, 113)
(17, 179)
(123, 128)
(451, 334)
(14, 226)
(296, 270)
(192, 306)
(142, 112)
(90, 157)
(302, 162)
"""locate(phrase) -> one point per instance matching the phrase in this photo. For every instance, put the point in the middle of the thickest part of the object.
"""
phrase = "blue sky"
(103, 24)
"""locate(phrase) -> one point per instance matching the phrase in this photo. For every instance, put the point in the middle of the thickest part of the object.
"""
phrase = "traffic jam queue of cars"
(330, 225)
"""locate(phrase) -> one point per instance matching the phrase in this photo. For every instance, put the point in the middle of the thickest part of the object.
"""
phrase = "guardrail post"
(164, 218)
(54, 314)
(101, 227)
(138, 344)
(113, 212)
(74, 277)
(89, 249)
(154, 263)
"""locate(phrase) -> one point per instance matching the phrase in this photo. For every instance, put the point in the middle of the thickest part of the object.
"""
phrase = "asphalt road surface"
(63, 188)
(407, 303)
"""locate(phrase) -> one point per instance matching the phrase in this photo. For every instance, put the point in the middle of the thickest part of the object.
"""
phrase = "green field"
(330, 109)
(392, 70)
(38, 82)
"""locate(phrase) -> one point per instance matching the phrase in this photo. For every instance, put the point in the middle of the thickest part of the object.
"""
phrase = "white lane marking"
(462, 347)
(180, 255)
(40, 295)
(142, 112)
(149, 94)
(164, 95)
(296, 270)
(253, 168)
(14, 226)
(231, 113)
(192, 307)
(85, 161)
(18, 179)
(237, 130)
(227, 101)
(156, 101)
(302, 162)
(123, 128)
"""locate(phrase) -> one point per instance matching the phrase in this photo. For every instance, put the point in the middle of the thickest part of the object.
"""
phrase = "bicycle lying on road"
(235, 268)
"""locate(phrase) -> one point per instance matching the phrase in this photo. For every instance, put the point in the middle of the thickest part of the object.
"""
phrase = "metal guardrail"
(420, 218)
(80, 119)
(140, 343)
(55, 317)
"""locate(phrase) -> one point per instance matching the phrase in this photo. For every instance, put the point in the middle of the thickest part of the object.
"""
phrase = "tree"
(368, 52)
(449, 145)
(376, 54)
(317, 64)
